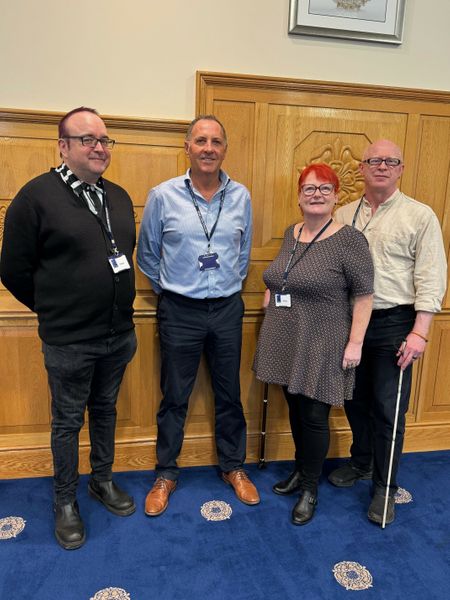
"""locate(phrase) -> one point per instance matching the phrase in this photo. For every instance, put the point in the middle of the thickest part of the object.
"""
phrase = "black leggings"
(311, 434)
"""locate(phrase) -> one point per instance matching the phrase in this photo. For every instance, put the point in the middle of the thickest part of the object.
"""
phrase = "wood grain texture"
(275, 127)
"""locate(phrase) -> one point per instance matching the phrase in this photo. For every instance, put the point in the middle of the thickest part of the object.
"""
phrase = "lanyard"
(200, 216)
(106, 227)
(78, 191)
(355, 216)
(292, 252)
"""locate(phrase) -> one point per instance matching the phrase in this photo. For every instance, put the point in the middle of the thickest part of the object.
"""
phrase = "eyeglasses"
(90, 141)
(377, 161)
(309, 189)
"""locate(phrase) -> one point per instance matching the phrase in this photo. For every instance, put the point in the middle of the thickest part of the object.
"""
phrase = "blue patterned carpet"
(253, 554)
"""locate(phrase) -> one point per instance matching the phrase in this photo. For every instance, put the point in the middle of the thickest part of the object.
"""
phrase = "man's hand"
(411, 349)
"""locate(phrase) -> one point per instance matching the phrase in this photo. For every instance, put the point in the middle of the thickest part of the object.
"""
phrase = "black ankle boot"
(112, 497)
(290, 485)
(69, 528)
(303, 511)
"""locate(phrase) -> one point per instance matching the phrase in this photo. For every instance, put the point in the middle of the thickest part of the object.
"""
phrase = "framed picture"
(369, 20)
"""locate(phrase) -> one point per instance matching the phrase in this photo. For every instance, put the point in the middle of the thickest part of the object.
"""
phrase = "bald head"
(383, 148)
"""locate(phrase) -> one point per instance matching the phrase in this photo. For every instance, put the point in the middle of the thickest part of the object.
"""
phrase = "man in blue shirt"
(194, 246)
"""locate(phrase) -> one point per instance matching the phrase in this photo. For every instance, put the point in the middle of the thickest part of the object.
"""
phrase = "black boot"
(376, 509)
(69, 528)
(303, 511)
(348, 475)
(112, 497)
(290, 485)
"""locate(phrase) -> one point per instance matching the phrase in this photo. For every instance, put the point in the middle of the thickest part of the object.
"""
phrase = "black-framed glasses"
(377, 161)
(90, 141)
(309, 189)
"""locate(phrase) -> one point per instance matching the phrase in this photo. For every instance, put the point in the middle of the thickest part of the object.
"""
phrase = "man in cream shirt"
(406, 243)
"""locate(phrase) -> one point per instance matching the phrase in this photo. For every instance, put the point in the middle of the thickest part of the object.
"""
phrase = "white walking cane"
(391, 459)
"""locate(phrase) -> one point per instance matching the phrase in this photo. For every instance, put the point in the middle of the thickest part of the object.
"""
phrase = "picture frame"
(366, 20)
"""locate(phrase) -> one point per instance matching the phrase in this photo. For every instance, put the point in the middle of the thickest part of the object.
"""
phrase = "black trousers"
(85, 374)
(311, 433)
(187, 328)
(371, 412)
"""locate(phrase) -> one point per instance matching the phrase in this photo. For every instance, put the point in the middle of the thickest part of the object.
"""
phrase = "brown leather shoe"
(244, 488)
(158, 497)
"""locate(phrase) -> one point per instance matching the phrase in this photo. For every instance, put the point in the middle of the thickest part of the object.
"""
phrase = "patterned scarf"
(91, 193)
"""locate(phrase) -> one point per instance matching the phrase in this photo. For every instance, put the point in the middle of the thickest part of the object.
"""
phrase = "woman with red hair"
(318, 303)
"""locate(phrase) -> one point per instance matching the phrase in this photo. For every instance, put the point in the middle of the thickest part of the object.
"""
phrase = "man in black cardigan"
(68, 241)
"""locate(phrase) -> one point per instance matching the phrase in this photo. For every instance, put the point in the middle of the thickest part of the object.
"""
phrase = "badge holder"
(209, 261)
(282, 300)
(119, 263)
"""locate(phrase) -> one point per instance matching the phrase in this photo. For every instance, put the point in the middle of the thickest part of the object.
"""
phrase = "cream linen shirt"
(405, 241)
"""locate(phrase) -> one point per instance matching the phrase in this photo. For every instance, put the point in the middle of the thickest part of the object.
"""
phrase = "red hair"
(323, 172)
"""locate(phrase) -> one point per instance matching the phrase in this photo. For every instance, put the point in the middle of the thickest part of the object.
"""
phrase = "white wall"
(139, 58)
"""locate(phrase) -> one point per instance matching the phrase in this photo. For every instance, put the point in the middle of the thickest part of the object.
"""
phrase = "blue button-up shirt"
(172, 238)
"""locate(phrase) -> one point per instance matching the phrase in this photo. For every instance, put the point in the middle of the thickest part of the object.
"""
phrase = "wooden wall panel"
(298, 136)
(435, 405)
(432, 184)
(240, 119)
(299, 122)
(275, 127)
(25, 399)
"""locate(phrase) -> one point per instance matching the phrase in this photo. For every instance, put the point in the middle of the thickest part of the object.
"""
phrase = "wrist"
(425, 339)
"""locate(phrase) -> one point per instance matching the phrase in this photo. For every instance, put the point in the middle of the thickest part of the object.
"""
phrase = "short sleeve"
(358, 264)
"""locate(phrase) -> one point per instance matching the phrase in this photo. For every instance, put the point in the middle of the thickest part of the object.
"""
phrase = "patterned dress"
(302, 347)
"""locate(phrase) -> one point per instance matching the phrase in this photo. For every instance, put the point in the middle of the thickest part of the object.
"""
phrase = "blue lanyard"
(208, 234)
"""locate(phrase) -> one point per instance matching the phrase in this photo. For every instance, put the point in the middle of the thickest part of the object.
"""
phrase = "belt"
(384, 312)
(190, 300)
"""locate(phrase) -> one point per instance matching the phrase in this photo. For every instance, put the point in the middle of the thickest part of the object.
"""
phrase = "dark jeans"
(85, 374)
(311, 433)
(187, 327)
(371, 412)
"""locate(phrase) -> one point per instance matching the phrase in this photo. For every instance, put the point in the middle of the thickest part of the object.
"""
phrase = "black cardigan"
(55, 260)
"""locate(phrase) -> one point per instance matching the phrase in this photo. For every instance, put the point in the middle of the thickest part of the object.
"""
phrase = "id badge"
(119, 263)
(283, 300)
(208, 262)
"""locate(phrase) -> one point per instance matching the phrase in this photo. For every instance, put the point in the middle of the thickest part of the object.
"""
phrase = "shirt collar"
(392, 198)
(224, 179)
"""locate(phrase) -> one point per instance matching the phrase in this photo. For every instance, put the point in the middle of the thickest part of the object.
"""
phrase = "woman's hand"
(352, 355)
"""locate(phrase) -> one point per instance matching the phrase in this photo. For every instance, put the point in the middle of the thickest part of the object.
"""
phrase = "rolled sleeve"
(430, 270)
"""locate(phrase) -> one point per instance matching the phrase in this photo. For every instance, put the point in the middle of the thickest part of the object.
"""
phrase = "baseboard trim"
(140, 455)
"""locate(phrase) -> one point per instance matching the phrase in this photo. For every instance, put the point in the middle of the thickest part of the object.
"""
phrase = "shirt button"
(117, 279)
(112, 331)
